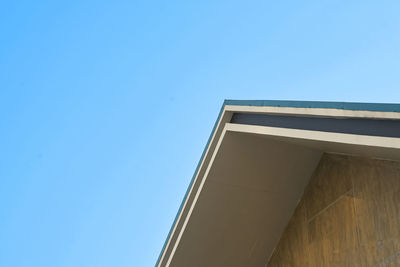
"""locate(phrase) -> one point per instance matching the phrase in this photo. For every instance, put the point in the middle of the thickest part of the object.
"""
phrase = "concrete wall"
(349, 216)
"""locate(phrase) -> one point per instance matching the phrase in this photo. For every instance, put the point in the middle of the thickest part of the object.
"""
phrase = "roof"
(290, 108)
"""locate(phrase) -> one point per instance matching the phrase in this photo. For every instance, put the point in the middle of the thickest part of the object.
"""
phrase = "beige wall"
(349, 215)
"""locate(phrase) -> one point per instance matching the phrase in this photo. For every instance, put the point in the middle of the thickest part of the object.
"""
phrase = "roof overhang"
(259, 158)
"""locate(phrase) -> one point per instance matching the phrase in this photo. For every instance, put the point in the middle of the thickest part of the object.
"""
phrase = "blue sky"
(105, 107)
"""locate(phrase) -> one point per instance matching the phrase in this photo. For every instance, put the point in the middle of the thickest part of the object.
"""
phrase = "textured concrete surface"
(349, 215)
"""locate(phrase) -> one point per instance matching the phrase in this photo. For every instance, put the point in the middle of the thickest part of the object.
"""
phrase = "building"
(289, 183)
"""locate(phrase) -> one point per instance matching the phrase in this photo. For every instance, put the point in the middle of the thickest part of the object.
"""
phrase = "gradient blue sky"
(105, 107)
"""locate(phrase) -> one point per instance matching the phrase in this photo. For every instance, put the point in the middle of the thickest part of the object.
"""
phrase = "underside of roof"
(260, 157)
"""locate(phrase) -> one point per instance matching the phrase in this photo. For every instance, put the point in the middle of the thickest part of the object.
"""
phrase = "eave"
(300, 148)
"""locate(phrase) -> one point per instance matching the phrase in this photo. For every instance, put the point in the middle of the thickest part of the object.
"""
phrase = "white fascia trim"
(225, 118)
(342, 138)
(195, 198)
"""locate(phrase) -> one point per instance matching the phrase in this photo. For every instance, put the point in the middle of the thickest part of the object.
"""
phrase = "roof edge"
(190, 184)
(382, 107)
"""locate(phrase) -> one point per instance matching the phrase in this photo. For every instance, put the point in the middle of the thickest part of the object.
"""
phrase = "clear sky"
(105, 107)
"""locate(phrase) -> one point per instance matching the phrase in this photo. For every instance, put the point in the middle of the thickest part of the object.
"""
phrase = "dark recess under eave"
(360, 126)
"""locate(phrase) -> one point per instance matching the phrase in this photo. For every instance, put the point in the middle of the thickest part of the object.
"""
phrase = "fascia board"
(342, 138)
(223, 118)
(379, 107)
